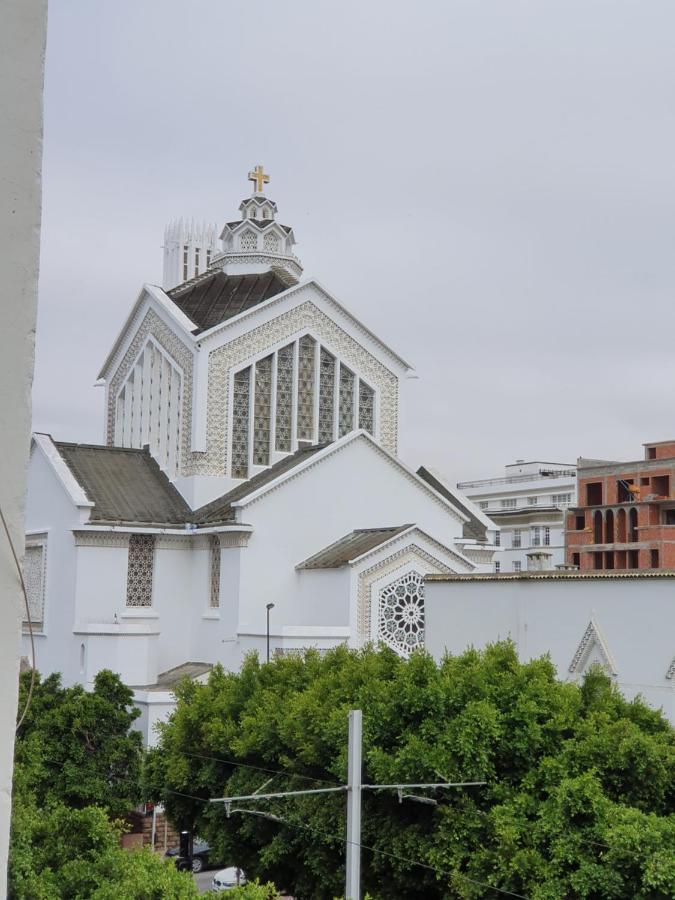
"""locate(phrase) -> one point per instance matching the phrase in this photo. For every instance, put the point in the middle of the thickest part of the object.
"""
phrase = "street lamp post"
(269, 607)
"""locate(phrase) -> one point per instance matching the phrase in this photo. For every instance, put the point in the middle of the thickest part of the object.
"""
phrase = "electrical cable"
(232, 762)
(28, 619)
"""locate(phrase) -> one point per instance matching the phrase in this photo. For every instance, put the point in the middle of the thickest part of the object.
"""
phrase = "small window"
(483, 504)
(266, 214)
(185, 262)
(498, 539)
(208, 258)
(633, 559)
(651, 452)
(510, 503)
(498, 567)
(517, 566)
(253, 214)
(532, 501)
(654, 558)
(580, 522)
(561, 499)
(644, 482)
(536, 536)
(547, 536)
(196, 260)
(576, 559)
(597, 560)
(516, 538)
(661, 485)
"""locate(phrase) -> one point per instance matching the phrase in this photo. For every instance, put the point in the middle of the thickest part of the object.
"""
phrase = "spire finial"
(259, 178)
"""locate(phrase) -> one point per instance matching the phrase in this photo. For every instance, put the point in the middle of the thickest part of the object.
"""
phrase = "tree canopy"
(578, 801)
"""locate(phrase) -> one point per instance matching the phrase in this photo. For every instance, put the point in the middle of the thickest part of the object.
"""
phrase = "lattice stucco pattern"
(326, 396)
(214, 593)
(306, 355)
(140, 570)
(346, 402)
(262, 411)
(400, 614)
(34, 571)
(366, 408)
(240, 421)
(284, 414)
(248, 241)
(151, 324)
(424, 562)
(223, 360)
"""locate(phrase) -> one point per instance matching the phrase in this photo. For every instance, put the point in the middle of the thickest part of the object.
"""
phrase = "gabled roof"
(221, 509)
(351, 547)
(259, 223)
(220, 297)
(124, 485)
(474, 529)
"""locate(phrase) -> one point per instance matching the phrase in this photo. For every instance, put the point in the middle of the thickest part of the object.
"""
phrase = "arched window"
(253, 214)
(609, 527)
(266, 213)
(597, 527)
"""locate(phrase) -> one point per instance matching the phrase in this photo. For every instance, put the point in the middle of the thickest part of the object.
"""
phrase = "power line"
(234, 762)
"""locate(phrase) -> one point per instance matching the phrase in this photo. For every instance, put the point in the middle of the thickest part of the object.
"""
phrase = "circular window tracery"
(401, 614)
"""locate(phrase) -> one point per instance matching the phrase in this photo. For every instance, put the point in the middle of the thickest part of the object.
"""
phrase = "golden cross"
(259, 178)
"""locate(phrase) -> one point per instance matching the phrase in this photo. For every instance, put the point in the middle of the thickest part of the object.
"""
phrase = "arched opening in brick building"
(597, 527)
(609, 527)
(632, 524)
(621, 526)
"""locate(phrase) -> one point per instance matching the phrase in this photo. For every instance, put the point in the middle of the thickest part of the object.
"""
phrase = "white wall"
(355, 487)
(22, 46)
(550, 615)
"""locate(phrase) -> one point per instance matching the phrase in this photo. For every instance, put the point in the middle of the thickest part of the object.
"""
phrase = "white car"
(228, 878)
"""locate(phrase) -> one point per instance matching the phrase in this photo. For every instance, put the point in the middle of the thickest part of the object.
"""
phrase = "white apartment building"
(528, 504)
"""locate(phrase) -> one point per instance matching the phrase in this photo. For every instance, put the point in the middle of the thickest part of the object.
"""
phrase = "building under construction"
(625, 513)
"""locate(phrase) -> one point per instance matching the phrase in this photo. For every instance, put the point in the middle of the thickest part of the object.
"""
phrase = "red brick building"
(625, 517)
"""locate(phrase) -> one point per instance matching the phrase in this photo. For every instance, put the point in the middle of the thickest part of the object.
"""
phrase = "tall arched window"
(632, 524)
(609, 527)
(621, 526)
(597, 527)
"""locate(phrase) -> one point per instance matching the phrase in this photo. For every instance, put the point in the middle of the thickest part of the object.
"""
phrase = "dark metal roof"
(260, 223)
(350, 547)
(219, 297)
(473, 529)
(220, 510)
(167, 681)
(124, 485)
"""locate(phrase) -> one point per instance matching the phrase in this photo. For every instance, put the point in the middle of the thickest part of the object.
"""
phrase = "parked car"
(200, 855)
(228, 878)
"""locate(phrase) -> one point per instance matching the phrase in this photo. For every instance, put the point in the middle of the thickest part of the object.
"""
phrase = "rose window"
(401, 614)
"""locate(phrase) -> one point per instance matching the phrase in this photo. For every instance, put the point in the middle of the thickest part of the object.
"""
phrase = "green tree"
(578, 801)
(78, 746)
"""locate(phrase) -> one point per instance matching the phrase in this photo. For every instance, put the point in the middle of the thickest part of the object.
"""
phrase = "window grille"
(284, 411)
(140, 569)
(536, 536)
(271, 243)
(483, 504)
(509, 503)
(498, 538)
(401, 614)
(326, 396)
(306, 388)
(185, 262)
(262, 411)
(214, 594)
(516, 538)
(249, 241)
(196, 260)
(366, 408)
(34, 566)
(517, 566)
(346, 408)
(547, 536)
(240, 421)
(498, 567)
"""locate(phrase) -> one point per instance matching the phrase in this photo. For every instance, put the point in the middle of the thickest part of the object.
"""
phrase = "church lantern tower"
(188, 250)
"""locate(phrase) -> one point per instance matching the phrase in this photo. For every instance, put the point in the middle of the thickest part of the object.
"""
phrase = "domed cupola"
(257, 243)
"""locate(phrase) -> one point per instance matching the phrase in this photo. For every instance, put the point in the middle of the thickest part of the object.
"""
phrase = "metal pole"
(269, 607)
(353, 866)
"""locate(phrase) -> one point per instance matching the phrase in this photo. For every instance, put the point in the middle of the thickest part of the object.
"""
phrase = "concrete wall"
(636, 617)
(22, 45)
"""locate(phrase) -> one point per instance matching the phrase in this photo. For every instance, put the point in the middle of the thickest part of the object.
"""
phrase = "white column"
(22, 45)
(353, 862)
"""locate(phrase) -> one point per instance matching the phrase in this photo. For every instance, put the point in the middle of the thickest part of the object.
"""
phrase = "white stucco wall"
(636, 616)
(22, 46)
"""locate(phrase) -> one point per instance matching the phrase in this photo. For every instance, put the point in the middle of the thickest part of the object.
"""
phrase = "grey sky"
(489, 185)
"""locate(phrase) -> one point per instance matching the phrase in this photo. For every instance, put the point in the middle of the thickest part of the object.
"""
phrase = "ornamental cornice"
(592, 637)
(405, 538)
(101, 539)
(233, 539)
(282, 260)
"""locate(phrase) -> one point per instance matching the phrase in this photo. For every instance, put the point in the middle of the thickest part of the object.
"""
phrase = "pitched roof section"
(351, 547)
(218, 297)
(473, 529)
(220, 510)
(124, 485)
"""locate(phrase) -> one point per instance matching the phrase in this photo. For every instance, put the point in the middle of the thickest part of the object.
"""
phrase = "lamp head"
(270, 606)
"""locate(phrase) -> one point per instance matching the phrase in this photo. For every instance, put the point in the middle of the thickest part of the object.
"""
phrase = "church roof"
(219, 297)
(259, 223)
(124, 485)
(474, 529)
(351, 547)
(220, 510)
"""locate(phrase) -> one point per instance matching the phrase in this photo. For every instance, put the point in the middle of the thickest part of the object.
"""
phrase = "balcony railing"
(543, 474)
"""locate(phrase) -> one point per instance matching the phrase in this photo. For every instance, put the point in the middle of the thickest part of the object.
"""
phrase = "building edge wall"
(22, 55)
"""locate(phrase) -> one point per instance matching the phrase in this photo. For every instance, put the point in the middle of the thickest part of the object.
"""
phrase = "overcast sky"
(490, 186)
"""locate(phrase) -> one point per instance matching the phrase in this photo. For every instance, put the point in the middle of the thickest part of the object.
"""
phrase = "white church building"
(250, 460)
